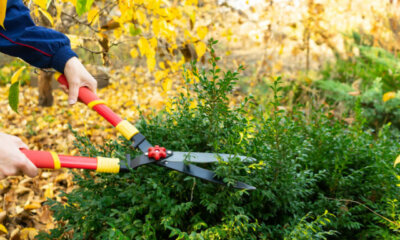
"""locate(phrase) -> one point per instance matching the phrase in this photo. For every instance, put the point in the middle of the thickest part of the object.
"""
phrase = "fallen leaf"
(3, 229)
(34, 205)
(28, 233)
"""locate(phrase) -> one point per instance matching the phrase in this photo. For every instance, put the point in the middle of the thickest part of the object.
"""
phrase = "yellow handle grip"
(107, 165)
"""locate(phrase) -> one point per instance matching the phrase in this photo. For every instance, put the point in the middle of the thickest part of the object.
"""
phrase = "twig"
(191, 193)
(99, 52)
(362, 204)
(80, 22)
(91, 51)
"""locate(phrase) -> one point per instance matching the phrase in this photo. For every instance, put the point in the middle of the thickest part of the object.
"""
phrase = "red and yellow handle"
(89, 98)
(51, 160)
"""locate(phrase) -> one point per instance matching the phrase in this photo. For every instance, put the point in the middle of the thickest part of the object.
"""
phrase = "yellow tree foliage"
(3, 7)
(156, 29)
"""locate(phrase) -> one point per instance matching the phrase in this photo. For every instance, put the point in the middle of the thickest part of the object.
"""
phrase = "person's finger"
(20, 143)
(73, 92)
(10, 171)
(2, 176)
(27, 167)
(91, 83)
(64, 88)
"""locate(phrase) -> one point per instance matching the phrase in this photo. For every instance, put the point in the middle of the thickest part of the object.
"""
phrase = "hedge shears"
(157, 155)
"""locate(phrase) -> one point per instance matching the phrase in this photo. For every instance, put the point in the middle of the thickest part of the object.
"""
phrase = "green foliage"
(372, 73)
(13, 96)
(305, 164)
(311, 230)
(376, 111)
(83, 6)
(369, 63)
(7, 72)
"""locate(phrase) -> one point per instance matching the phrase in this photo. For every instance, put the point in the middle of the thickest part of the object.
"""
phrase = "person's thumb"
(28, 167)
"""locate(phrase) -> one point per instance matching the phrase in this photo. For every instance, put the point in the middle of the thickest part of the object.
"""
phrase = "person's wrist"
(61, 57)
(71, 63)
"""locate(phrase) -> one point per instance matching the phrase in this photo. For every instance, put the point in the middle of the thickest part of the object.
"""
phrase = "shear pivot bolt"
(157, 152)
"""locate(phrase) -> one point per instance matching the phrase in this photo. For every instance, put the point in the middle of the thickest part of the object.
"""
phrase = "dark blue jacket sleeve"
(39, 46)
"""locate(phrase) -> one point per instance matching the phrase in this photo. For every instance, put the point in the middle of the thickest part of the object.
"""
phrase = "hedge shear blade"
(152, 155)
(177, 163)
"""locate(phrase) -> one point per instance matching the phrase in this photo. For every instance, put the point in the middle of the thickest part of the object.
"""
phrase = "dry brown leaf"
(14, 235)
(3, 215)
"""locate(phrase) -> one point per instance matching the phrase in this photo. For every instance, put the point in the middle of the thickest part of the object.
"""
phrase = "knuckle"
(10, 172)
(74, 84)
(19, 163)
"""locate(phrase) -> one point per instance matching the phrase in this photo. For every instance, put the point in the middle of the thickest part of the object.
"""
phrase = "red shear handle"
(51, 160)
(94, 102)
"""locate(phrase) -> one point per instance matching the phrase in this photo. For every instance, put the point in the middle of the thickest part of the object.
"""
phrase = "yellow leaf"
(143, 46)
(75, 40)
(156, 26)
(47, 15)
(191, 2)
(61, 177)
(389, 95)
(34, 205)
(153, 42)
(202, 32)
(167, 84)
(281, 49)
(397, 161)
(160, 75)
(93, 16)
(151, 62)
(3, 9)
(71, 1)
(200, 49)
(49, 192)
(141, 16)
(41, 3)
(134, 53)
(28, 233)
(15, 76)
(3, 229)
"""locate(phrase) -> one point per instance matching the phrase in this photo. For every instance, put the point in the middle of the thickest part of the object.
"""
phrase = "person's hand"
(12, 160)
(77, 77)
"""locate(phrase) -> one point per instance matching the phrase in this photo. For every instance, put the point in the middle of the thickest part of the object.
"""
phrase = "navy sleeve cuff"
(61, 57)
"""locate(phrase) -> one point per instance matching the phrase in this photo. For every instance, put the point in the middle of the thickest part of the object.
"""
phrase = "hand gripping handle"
(51, 160)
(94, 102)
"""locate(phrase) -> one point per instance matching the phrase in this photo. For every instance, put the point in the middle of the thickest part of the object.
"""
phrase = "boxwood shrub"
(315, 175)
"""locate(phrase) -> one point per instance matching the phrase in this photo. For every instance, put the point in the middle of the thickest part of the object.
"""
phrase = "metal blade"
(199, 172)
(197, 157)
(180, 166)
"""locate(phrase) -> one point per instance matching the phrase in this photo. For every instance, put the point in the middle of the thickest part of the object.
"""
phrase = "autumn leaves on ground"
(141, 46)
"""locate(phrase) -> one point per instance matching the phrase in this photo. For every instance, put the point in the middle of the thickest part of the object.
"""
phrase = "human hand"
(77, 77)
(12, 160)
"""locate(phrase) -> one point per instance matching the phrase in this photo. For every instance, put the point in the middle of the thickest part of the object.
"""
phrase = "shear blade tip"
(242, 185)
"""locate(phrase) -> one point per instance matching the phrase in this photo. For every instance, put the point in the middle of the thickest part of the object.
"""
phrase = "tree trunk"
(45, 89)
(44, 78)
